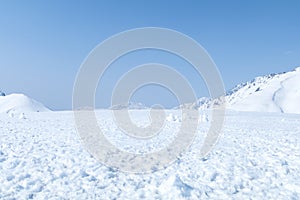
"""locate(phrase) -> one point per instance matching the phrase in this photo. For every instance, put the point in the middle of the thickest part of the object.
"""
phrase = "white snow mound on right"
(279, 93)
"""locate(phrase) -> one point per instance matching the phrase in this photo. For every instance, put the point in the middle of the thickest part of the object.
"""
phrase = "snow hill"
(19, 103)
(271, 93)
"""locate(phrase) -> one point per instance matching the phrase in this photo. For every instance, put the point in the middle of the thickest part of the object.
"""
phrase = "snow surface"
(257, 157)
(271, 93)
(18, 104)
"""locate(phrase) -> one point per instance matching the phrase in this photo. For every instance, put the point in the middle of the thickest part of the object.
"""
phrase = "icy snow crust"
(257, 156)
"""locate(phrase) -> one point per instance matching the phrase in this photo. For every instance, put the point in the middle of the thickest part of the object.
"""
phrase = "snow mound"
(173, 118)
(272, 93)
(19, 103)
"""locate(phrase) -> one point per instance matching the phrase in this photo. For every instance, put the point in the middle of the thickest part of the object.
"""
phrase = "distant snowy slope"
(271, 93)
(19, 103)
(130, 106)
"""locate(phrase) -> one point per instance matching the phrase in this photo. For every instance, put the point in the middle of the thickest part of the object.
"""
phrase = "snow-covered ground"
(257, 157)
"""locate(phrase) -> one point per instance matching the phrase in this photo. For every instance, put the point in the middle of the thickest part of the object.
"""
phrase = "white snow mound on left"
(19, 104)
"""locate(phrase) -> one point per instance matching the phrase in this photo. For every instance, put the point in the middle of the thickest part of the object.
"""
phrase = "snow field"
(257, 157)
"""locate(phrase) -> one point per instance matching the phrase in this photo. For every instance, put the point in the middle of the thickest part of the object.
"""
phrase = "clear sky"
(43, 43)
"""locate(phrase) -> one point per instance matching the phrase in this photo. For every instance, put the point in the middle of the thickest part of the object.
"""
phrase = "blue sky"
(43, 43)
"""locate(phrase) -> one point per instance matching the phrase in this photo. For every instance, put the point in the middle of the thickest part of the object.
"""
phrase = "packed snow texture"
(257, 157)
(271, 93)
(18, 103)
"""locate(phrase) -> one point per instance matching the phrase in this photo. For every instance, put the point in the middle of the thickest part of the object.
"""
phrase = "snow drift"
(19, 103)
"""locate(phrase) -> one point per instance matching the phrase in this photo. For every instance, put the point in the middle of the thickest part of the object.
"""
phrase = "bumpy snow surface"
(19, 103)
(257, 157)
